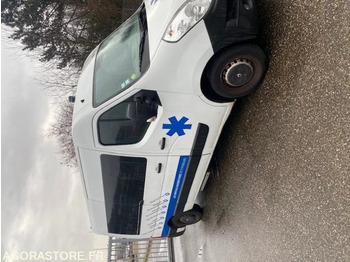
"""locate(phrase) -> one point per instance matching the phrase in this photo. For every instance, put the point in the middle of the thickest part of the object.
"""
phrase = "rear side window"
(123, 183)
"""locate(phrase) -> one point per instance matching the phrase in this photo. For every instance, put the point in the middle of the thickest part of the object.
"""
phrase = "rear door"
(123, 192)
(130, 191)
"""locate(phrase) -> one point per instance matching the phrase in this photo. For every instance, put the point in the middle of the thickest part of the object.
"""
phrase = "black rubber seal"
(229, 22)
(195, 157)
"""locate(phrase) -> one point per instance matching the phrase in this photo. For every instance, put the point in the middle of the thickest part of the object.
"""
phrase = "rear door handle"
(159, 168)
(162, 143)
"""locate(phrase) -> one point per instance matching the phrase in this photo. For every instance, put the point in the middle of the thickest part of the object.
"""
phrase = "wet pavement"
(281, 188)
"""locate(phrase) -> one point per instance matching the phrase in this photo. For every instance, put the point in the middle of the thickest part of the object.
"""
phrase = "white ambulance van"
(151, 102)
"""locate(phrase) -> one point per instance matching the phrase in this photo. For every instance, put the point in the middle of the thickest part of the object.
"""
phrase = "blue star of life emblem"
(177, 126)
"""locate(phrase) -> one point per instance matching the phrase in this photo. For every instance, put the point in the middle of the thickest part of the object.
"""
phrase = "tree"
(61, 130)
(65, 30)
(63, 33)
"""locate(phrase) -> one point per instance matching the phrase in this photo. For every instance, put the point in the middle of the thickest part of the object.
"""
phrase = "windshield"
(119, 59)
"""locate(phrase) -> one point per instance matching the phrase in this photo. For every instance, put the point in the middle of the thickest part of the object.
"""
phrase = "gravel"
(281, 191)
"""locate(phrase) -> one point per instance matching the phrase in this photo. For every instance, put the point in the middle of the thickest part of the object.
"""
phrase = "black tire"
(189, 217)
(236, 71)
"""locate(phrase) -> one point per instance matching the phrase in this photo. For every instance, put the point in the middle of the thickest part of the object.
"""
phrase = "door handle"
(159, 168)
(162, 143)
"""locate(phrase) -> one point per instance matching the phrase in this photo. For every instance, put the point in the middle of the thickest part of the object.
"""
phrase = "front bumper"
(231, 21)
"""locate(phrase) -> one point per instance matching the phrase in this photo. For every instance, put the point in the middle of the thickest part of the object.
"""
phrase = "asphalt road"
(281, 191)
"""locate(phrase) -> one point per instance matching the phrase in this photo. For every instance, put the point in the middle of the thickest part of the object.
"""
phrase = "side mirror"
(141, 111)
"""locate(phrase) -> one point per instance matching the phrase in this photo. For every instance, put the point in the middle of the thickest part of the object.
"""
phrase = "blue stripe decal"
(179, 178)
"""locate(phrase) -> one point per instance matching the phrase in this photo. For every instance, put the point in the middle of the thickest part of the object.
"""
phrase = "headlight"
(187, 16)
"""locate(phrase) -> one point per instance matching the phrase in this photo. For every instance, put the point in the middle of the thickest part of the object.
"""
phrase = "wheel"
(187, 218)
(237, 71)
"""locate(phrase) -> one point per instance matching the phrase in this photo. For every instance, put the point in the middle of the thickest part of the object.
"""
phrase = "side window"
(126, 123)
(115, 128)
(123, 184)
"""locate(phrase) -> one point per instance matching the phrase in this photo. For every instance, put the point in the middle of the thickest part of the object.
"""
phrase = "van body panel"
(84, 92)
(144, 152)
(156, 169)
(195, 49)
(92, 174)
(197, 181)
(159, 14)
(97, 215)
(172, 186)
(82, 129)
